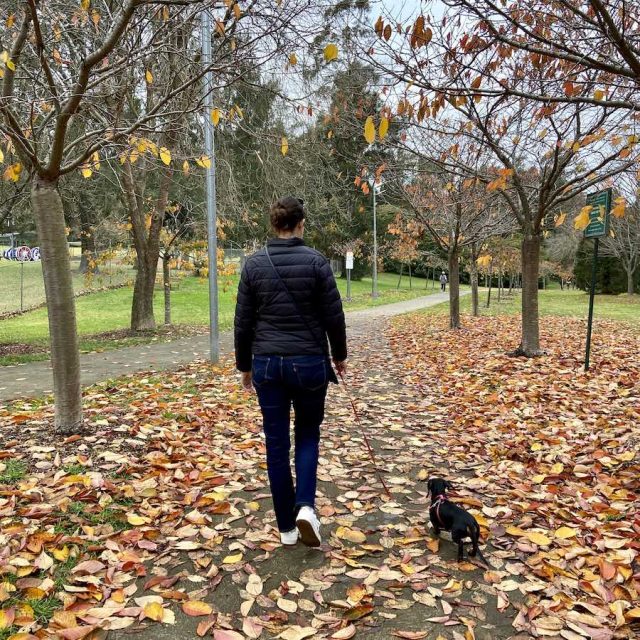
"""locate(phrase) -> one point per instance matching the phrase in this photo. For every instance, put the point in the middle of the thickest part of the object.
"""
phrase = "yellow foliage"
(330, 52)
(369, 130)
(582, 219)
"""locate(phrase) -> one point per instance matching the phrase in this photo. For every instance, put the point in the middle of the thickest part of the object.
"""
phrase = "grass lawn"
(555, 302)
(110, 310)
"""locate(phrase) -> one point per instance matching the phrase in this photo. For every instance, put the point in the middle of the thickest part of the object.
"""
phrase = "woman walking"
(288, 305)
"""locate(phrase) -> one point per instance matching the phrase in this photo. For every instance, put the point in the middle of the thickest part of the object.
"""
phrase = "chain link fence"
(22, 284)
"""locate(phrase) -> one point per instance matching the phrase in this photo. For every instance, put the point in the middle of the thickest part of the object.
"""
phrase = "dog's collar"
(439, 500)
(437, 503)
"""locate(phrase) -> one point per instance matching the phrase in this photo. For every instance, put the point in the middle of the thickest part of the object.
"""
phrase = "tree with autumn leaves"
(74, 79)
(541, 156)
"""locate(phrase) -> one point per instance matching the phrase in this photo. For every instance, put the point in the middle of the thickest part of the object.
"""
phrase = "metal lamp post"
(214, 330)
(374, 283)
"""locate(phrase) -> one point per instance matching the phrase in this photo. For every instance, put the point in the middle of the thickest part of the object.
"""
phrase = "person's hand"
(246, 381)
(341, 366)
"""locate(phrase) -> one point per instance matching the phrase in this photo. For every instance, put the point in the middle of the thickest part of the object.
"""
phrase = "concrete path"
(35, 378)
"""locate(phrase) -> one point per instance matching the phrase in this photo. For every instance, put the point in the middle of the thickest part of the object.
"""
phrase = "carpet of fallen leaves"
(161, 516)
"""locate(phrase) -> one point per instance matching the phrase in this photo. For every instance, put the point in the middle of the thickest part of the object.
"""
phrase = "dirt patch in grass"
(107, 340)
(20, 349)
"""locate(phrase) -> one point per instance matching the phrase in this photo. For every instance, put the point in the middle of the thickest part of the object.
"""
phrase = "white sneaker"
(289, 538)
(309, 527)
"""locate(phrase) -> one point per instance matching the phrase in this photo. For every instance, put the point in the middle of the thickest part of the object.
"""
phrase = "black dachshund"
(448, 516)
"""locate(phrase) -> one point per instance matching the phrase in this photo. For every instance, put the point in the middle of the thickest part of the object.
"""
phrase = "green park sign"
(598, 226)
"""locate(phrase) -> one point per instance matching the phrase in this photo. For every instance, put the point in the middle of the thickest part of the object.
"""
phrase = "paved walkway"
(35, 378)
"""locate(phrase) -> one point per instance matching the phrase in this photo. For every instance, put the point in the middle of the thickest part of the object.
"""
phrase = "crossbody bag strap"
(297, 307)
(295, 302)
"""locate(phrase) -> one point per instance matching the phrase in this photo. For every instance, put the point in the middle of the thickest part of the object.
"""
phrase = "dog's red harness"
(436, 505)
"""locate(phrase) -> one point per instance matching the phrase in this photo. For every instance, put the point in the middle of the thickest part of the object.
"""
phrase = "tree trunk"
(433, 282)
(400, 278)
(410, 283)
(142, 317)
(499, 285)
(489, 278)
(454, 289)
(58, 285)
(630, 287)
(530, 343)
(166, 280)
(473, 276)
(147, 246)
(475, 306)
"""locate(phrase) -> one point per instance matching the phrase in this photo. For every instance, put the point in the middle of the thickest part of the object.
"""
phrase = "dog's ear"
(430, 486)
(448, 485)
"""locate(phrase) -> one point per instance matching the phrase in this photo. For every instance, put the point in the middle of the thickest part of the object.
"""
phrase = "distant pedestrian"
(288, 318)
(443, 281)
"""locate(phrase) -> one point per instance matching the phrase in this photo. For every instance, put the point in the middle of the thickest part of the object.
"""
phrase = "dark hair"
(287, 213)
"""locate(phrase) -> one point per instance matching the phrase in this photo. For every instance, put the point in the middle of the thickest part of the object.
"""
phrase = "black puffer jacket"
(267, 321)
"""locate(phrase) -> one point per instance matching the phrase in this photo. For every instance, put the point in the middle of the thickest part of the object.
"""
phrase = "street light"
(212, 226)
(373, 181)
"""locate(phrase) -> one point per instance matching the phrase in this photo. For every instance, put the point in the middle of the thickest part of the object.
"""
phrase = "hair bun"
(287, 213)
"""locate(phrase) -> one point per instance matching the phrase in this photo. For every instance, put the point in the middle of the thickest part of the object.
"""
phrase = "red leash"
(372, 455)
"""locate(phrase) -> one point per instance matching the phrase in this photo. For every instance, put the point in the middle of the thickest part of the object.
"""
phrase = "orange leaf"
(196, 608)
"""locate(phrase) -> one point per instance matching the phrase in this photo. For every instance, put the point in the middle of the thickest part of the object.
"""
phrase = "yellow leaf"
(1, 156)
(204, 162)
(7, 617)
(215, 117)
(576, 146)
(598, 94)
(10, 21)
(165, 155)
(154, 610)
(582, 219)
(369, 130)
(232, 559)
(185, 168)
(352, 535)
(61, 554)
(237, 11)
(85, 4)
(293, 59)
(618, 210)
(136, 520)
(538, 538)
(95, 17)
(166, 14)
(11, 65)
(558, 467)
(515, 531)
(384, 128)
(330, 52)
(561, 218)
(284, 147)
(12, 173)
(565, 532)
(633, 613)
(148, 76)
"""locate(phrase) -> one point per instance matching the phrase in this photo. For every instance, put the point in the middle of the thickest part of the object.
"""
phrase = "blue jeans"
(281, 382)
